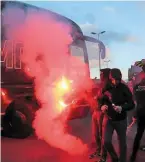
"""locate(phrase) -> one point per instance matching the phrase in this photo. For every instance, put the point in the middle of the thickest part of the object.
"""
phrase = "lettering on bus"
(11, 54)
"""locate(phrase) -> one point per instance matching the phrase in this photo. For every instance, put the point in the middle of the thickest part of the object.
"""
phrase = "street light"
(98, 34)
(107, 61)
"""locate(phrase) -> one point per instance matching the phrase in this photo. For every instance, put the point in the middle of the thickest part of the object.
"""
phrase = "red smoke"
(46, 56)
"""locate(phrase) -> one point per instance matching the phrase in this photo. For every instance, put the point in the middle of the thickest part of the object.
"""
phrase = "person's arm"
(100, 100)
(134, 97)
(129, 104)
(102, 97)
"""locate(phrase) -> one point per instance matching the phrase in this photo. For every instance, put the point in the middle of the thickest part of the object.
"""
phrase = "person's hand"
(117, 108)
(134, 119)
(104, 108)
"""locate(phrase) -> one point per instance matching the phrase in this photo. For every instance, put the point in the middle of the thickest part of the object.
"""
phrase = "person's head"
(139, 78)
(104, 74)
(115, 76)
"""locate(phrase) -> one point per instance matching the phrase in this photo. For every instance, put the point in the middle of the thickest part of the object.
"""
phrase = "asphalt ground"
(33, 150)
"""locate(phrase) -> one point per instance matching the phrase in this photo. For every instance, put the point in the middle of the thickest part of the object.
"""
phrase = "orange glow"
(63, 87)
(62, 106)
(3, 93)
(5, 96)
(62, 103)
(64, 84)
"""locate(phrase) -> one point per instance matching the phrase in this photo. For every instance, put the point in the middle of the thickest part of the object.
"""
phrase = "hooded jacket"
(119, 95)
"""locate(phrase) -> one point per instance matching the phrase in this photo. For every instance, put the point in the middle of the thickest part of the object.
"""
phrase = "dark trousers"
(108, 128)
(97, 120)
(138, 137)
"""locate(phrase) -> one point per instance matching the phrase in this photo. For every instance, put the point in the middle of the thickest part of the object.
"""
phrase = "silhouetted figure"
(116, 100)
(97, 116)
(139, 93)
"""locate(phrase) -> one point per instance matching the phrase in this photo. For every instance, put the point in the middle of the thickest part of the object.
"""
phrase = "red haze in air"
(45, 55)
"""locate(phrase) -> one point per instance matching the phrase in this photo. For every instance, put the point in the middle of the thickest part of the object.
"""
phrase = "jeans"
(97, 119)
(138, 137)
(108, 128)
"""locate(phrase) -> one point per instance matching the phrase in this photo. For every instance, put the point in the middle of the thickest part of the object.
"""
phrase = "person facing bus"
(97, 116)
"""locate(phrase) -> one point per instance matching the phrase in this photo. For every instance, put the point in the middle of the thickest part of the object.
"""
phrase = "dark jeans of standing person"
(108, 128)
(97, 119)
(138, 137)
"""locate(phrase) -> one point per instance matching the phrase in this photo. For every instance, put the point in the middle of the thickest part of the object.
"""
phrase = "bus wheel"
(18, 118)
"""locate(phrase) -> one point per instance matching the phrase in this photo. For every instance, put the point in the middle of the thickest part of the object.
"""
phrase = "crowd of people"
(114, 100)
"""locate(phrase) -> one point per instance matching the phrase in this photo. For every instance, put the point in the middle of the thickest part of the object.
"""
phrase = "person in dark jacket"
(139, 93)
(97, 117)
(116, 100)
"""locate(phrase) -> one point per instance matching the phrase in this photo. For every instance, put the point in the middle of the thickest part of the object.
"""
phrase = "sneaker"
(131, 160)
(115, 160)
(95, 154)
(142, 148)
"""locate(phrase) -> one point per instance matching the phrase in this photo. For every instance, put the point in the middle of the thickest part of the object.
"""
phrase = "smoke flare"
(45, 54)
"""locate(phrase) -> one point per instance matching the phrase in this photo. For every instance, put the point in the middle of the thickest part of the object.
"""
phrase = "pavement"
(33, 150)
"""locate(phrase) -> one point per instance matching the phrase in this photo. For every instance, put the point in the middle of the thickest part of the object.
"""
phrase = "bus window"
(93, 56)
(77, 50)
